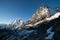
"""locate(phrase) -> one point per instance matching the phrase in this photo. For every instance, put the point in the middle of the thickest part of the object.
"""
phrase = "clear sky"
(12, 9)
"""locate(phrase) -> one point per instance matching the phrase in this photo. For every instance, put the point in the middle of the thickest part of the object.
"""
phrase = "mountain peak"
(18, 22)
(42, 13)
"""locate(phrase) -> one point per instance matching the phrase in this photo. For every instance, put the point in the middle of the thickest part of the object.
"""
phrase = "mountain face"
(41, 27)
(17, 23)
(42, 13)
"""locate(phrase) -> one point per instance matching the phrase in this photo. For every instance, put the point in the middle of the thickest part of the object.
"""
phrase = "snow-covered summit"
(42, 13)
(17, 23)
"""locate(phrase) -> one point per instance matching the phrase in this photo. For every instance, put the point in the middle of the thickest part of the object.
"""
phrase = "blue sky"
(12, 9)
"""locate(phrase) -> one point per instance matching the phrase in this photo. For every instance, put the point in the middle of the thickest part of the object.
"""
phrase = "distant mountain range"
(43, 25)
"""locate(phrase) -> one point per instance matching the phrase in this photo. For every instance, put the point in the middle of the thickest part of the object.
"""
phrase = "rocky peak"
(42, 13)
(17, 23)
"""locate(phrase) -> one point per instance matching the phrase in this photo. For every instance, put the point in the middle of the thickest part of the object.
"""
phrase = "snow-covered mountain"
(17, 23)
(43, 25)
(41, 14)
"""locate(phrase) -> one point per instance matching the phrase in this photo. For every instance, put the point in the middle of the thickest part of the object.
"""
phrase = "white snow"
(17, 23)
(50, 18)
(39, 22)
(54, 16)
(29, 25)
(13, 22)
(44, 11)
